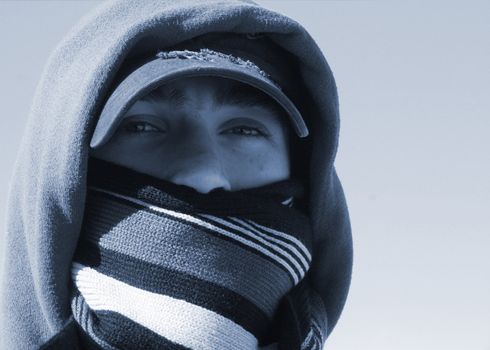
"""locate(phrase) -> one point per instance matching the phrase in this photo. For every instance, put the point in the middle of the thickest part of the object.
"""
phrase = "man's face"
(205, 133)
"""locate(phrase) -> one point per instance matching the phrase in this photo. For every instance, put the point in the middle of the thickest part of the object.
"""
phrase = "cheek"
(241, 156)
(141, 154)
(255, 165)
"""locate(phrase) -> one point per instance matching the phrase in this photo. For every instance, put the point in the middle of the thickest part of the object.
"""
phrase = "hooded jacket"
(48, 186)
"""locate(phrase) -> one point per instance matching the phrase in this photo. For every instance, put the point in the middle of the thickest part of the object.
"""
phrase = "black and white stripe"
(286, 248)
(252, 238)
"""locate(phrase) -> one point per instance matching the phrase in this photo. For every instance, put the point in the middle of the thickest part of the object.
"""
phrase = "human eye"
(244, 128)
(246, 131)
(142, 126)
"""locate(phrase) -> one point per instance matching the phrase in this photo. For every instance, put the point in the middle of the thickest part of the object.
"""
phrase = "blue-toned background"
(414, 155)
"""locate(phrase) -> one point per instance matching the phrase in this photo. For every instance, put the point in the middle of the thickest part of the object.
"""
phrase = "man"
(199, 220)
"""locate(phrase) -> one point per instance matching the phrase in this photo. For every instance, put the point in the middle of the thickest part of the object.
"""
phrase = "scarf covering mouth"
(161, 266)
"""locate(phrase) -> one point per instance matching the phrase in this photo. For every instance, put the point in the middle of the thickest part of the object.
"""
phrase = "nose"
(198, 164)
(202, 180)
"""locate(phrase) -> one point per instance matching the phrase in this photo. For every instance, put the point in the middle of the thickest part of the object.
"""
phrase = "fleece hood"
(49, 182)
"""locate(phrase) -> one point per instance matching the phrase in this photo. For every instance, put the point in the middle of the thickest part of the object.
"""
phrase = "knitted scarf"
(161, 266)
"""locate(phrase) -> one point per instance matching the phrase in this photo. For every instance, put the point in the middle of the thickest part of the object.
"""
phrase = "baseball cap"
(167, 66)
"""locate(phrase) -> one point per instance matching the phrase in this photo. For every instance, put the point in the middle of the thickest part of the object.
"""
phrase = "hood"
(48, 187)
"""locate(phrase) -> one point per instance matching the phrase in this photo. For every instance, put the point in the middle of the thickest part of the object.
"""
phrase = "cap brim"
(159, 71)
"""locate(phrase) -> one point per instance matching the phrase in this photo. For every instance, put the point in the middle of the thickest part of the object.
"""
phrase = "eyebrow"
(175, 96)
(232, 93)
(244, 95)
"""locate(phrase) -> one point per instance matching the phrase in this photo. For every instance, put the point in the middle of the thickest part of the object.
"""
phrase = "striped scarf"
(161, 266)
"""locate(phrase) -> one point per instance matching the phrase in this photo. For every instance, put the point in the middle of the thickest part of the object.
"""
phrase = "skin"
(199, 143)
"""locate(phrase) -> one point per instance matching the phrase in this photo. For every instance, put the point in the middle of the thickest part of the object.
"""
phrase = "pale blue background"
(414, 156)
